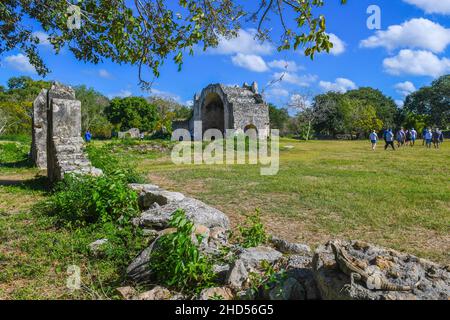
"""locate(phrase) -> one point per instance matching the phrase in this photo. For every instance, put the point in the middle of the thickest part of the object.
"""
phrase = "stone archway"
(213, 113)
(253, 133)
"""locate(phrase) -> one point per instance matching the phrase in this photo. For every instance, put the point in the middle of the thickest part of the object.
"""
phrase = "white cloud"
(245, 43)
(120, 94)
(103, 73)
(405, 88)
(277, 92)
(285, 65)
(43, 38)
(19, 62)
(340, 85)
(250, 61)
(399, 103)
(416, 33)
(417, 63)
(338, 45)
(292, 78)
(432, 6)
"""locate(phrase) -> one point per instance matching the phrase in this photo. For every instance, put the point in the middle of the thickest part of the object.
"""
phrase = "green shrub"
(253, 232)
(13, 152)
(177, 261)
(104, 158)
(82, 199)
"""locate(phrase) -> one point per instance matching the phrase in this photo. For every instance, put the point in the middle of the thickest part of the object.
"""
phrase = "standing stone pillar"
(65, 147)
(39, 130)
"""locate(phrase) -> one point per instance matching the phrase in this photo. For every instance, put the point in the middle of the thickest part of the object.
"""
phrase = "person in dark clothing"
(389, 138)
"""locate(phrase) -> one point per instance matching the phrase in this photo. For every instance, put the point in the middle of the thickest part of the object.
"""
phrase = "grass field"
(324, 190)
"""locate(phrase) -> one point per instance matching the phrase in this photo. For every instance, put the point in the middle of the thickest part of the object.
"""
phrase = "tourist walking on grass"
(373, 139)
(413, 137)
(407, 137)
(424, 133)
(438, 138)
(428, 138)
(389, 140)
(400, 138)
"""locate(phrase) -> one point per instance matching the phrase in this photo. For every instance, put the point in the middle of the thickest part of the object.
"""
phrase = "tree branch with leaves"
(145, 33)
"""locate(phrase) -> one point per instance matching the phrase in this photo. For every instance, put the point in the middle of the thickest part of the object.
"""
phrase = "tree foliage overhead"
(145, 33)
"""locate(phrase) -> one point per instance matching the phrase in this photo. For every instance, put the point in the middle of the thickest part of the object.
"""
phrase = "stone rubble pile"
(300, 273)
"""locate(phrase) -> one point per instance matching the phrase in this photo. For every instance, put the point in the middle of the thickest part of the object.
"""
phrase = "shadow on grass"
(22, 164)
(39, 183)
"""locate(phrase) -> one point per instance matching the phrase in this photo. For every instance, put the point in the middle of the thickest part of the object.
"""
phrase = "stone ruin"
(57, 144)
(133, 133)
(225, 107)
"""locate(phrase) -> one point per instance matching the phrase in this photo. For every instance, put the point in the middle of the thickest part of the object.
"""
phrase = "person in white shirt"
(413, 133)
(373, 139)
(428, 138)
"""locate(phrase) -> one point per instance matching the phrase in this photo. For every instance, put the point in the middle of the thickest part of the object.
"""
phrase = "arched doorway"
(251, 131)
(213, 113)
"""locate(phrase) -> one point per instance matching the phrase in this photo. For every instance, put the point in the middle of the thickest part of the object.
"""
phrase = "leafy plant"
(83, 199)
(177, 261)
(103, 158)
(253, 232)
(268, 279)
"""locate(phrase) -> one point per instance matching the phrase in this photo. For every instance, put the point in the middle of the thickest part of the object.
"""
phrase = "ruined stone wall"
(242, 107)
(59, 130)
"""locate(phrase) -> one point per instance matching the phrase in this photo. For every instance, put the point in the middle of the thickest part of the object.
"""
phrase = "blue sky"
(411, 49)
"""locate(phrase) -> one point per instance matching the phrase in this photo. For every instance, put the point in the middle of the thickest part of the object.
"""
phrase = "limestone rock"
(299, 267)
(289, 289)
(218, 293)
(252, 257)
(127, 293)
(221, 272)
(289, 247)
(161, 197)
(429, 281)
(237, 274)
(157, 293)
(97, 246)
(196, 211)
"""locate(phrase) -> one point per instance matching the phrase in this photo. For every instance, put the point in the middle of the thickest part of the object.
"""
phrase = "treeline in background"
(330, 115)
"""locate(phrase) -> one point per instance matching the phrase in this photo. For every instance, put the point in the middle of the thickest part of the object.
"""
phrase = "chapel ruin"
(229, 107)
(57, 144)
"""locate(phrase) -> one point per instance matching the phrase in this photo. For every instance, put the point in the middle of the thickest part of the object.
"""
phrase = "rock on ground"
(289, 247)
(217, 293)
(429, 281)
(196, 211)
(157, 293)
(253, 257)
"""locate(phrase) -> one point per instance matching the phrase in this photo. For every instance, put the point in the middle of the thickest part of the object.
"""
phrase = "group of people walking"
(408, 138)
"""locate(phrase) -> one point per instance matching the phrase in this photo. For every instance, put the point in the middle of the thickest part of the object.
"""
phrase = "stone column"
(39, 130)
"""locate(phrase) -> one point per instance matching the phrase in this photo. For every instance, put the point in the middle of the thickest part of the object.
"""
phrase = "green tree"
(385, 107)
(132, 112)
(16, 103)
(147, 32)
(279, 118)
(432, 101)
(93, 117)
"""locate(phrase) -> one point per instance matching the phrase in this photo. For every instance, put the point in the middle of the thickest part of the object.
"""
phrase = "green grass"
(330, 189)
(323, 190)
